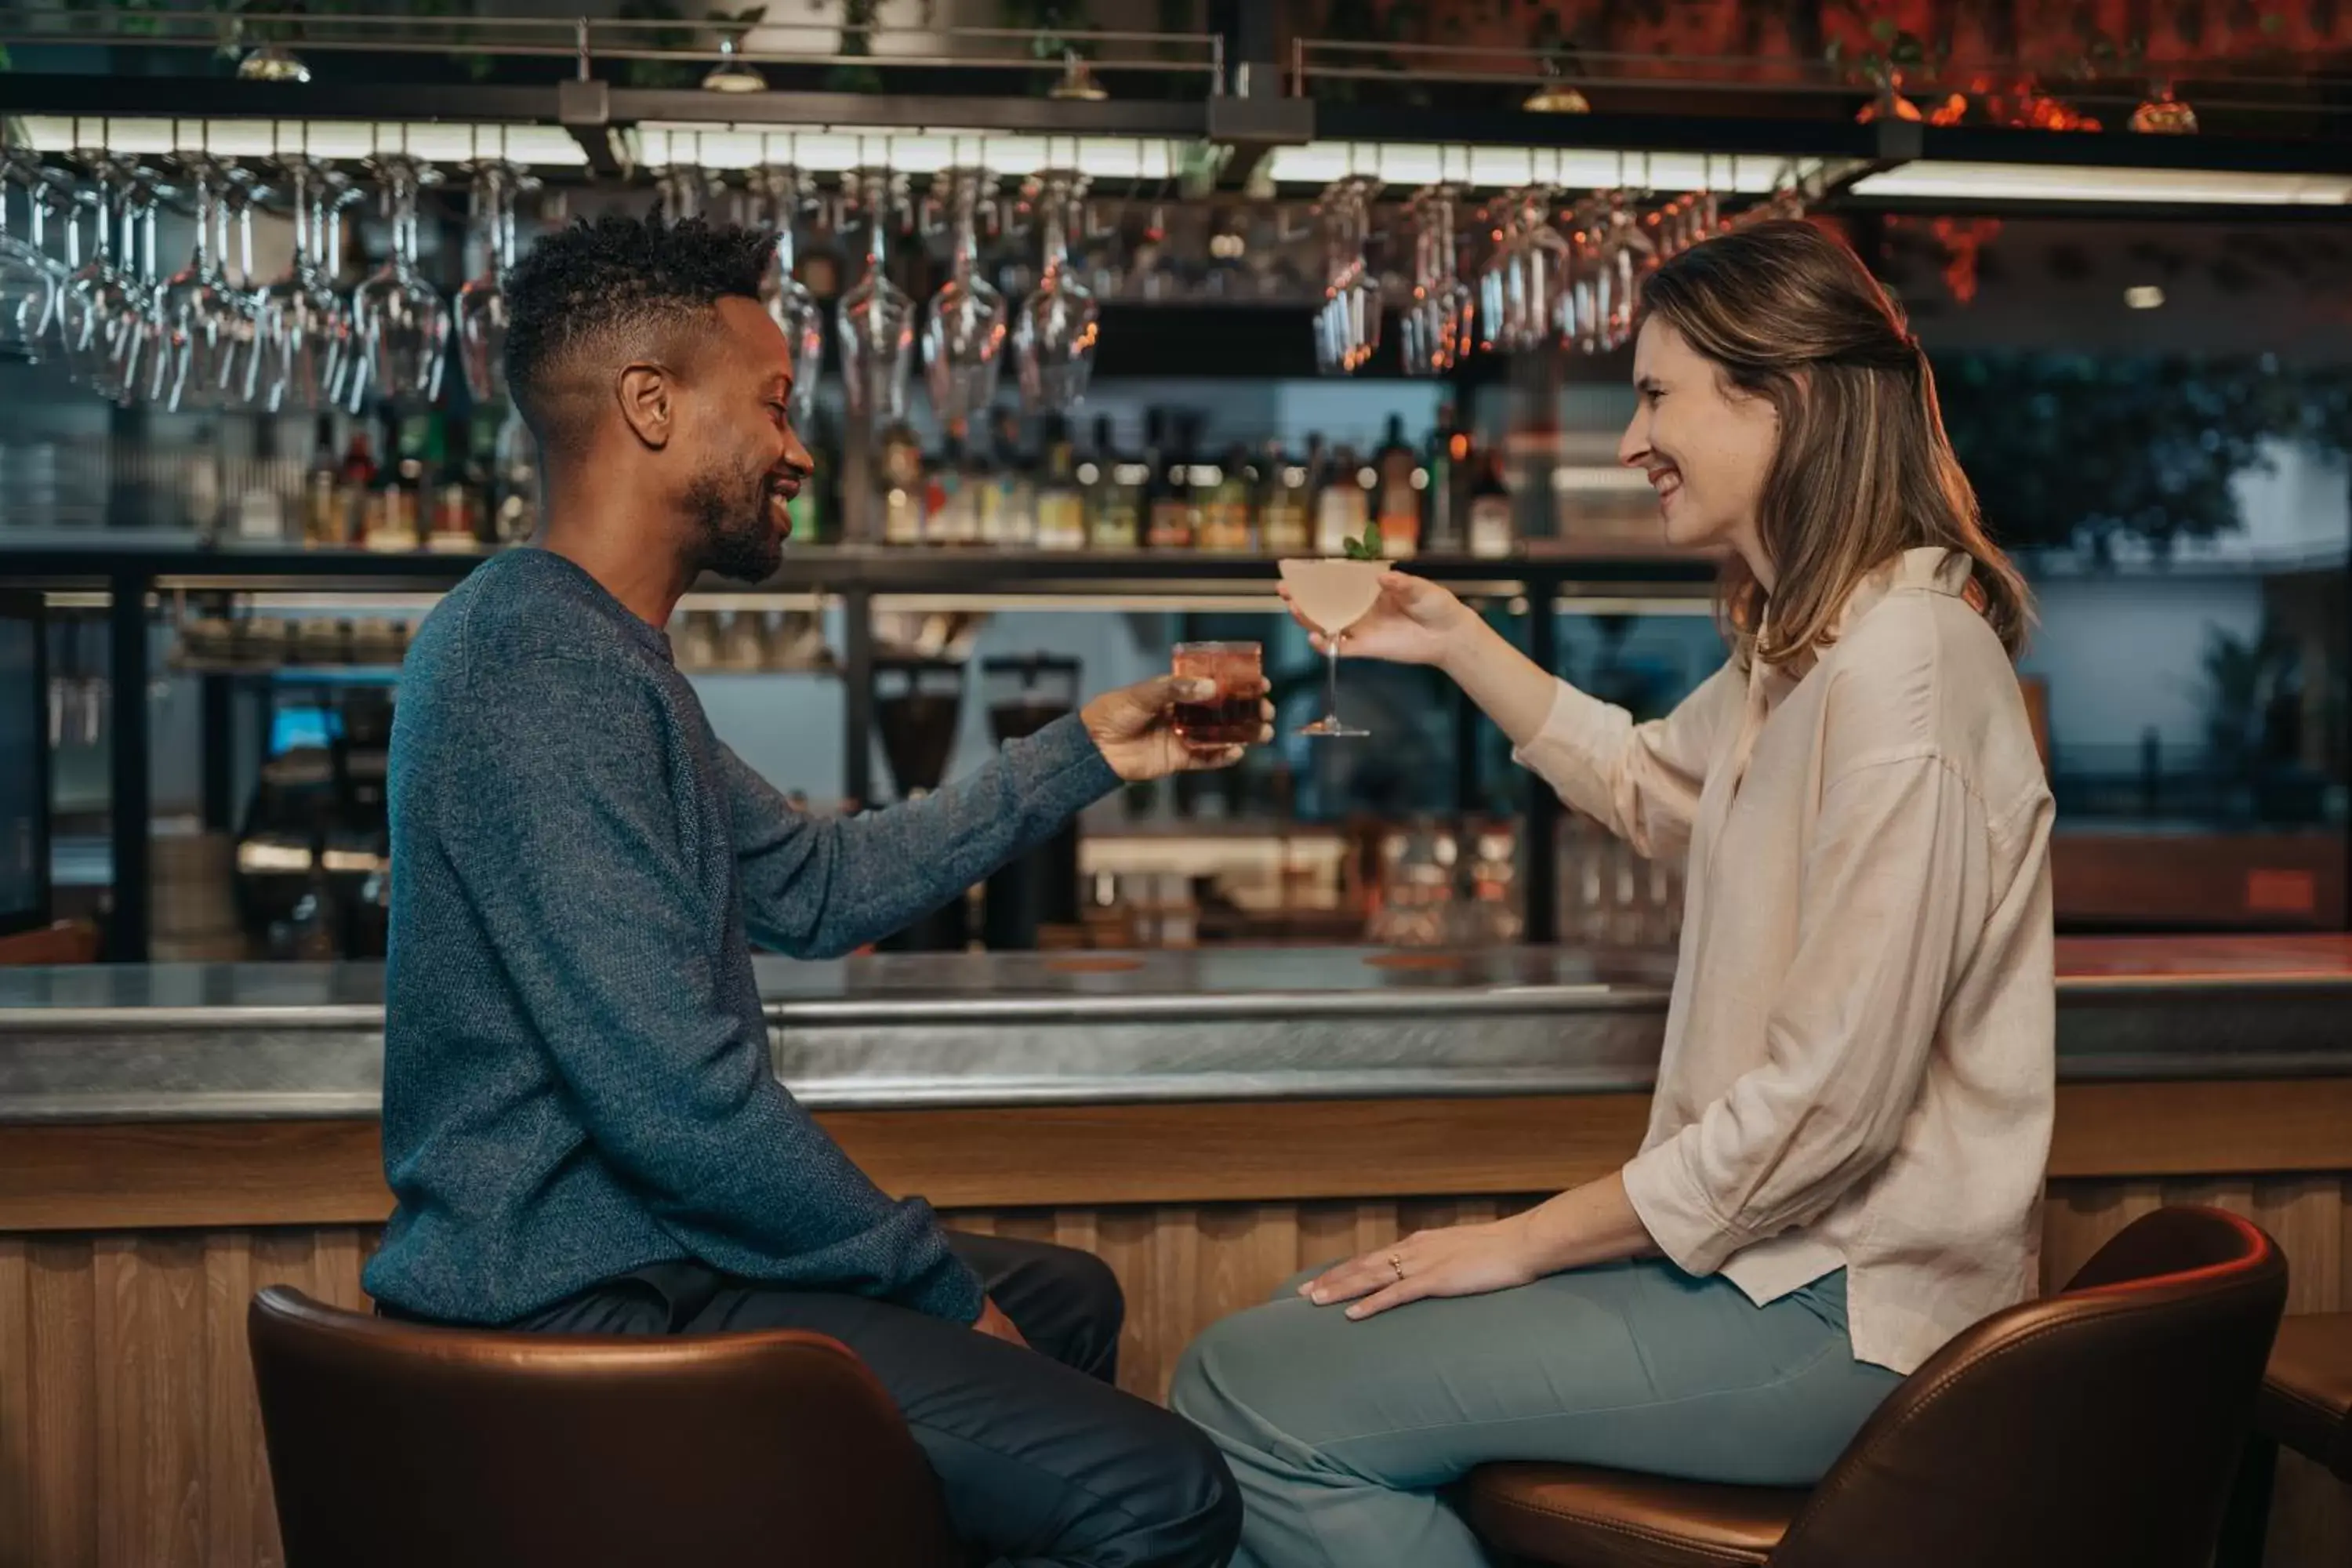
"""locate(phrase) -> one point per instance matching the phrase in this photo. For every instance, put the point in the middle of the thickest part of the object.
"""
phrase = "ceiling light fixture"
(732, 75)
(272, 62)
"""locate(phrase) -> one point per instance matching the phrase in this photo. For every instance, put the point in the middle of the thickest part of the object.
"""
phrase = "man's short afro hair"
(614, 281)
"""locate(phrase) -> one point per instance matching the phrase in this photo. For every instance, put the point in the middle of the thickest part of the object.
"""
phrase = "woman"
(1846, 1142)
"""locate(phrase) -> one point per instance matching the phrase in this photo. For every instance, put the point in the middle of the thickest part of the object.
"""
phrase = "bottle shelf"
(178, 561)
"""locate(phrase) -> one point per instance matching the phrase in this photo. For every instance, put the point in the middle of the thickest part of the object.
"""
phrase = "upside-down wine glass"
(1347, 325)
(30, 279)
(1523, 287)
(1054, 333)
(305, 330)
(402, 323)
(964, 326)
(778, 195)
(876, 321)
(482, 301)
(1436, 325)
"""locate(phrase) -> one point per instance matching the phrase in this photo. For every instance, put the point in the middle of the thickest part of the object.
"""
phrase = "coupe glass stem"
(1331, 681)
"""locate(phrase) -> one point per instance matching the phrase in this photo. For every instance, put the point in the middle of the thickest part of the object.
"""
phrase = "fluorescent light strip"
(2027, 183)
(823, 150)
(1576, 168)
(544, 146)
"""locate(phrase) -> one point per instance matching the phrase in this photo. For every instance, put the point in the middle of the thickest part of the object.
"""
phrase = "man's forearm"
(817, 888)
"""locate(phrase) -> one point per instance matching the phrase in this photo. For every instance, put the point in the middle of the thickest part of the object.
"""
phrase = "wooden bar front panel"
(128, 1436)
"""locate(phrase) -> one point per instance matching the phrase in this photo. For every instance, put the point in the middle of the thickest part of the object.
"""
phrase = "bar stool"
(391, 1446)
(2101, 1424)
(2306, 1406)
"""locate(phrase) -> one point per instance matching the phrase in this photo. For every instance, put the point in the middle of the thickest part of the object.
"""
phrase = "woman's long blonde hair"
(1864, 470)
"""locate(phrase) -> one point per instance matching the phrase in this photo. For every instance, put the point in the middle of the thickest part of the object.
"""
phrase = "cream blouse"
(1859, 1055)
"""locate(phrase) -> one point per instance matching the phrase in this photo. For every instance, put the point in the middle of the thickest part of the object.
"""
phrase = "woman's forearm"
(1585, 1225)
(1516, 692)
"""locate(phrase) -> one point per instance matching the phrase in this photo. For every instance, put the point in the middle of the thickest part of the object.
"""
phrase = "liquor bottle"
(949, 516)
(454, 529)
(1445, 502)
(354, 487)
(514, 462)
(898, 481)
(1226, 515)
(978, 483)
(1170, 520)
(322, 506)
(1115, 498)
(812, 510)
(1400, 484)
(1286, 511)
(1491, 533)
(1343, 503)
(392, 502)
(1061, 508)
(1015, 509)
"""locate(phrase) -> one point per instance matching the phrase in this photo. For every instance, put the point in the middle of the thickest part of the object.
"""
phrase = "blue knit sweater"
(577, 1076)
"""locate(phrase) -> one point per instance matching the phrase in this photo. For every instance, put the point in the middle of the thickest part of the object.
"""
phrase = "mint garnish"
(1367, 548)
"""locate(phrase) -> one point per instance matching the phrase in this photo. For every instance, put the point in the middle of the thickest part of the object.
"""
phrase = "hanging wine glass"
(1627, 253)
(1436, 326)
(304, 330)
(402, 323)
(1347, 325)
(1054, 331)
(140, 353)
(241, 384)
(346, 359)
(196, 312)
(877, 321)
(1523, 291)
(964, 327)
(482, 302)
(779, 197)
(30, 279)
(101, 303)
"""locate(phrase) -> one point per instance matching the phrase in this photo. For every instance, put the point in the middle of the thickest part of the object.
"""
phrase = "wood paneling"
(129, 1438)
(222, 1175)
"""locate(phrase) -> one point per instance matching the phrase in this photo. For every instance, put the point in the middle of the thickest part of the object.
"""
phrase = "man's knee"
(1090, 1282)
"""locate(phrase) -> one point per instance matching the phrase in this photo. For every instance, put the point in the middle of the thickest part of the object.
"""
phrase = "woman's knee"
(1245, 1374)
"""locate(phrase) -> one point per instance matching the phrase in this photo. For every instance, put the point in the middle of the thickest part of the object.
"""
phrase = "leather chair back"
(2101, 1424)
(391, 1446)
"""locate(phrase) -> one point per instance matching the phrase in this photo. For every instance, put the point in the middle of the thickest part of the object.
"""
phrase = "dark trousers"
(1041, 1460)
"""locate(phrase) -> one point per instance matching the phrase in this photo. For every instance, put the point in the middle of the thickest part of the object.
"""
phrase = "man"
(579, 1122)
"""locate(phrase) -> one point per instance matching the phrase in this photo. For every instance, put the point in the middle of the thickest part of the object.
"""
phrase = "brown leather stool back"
(2101, 1424)
(392, 1445)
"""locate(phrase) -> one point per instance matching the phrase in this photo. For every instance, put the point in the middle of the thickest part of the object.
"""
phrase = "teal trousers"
(1340, 1433)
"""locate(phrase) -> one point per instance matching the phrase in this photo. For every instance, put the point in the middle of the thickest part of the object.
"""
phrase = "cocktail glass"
(1334, 594)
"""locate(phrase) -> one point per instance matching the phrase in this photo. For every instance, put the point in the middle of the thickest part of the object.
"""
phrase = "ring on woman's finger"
(1396, 1261)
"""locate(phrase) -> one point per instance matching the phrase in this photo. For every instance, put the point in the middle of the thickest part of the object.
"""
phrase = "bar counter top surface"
(263, 1041)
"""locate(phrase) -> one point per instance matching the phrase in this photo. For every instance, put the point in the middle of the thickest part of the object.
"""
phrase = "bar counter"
(174, 1137)
(243, 1042)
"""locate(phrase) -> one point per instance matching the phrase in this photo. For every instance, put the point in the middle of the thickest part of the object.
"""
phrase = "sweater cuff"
(1670, 1205)
(950, 1291)
(1068, 771)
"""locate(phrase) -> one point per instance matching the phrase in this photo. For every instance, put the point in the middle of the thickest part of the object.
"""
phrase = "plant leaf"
(1372, 545)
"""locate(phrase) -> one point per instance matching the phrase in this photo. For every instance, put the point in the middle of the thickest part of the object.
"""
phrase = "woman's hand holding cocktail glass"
(1413, 621)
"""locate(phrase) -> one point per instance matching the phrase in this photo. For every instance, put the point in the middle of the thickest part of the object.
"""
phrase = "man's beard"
(732, 537)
